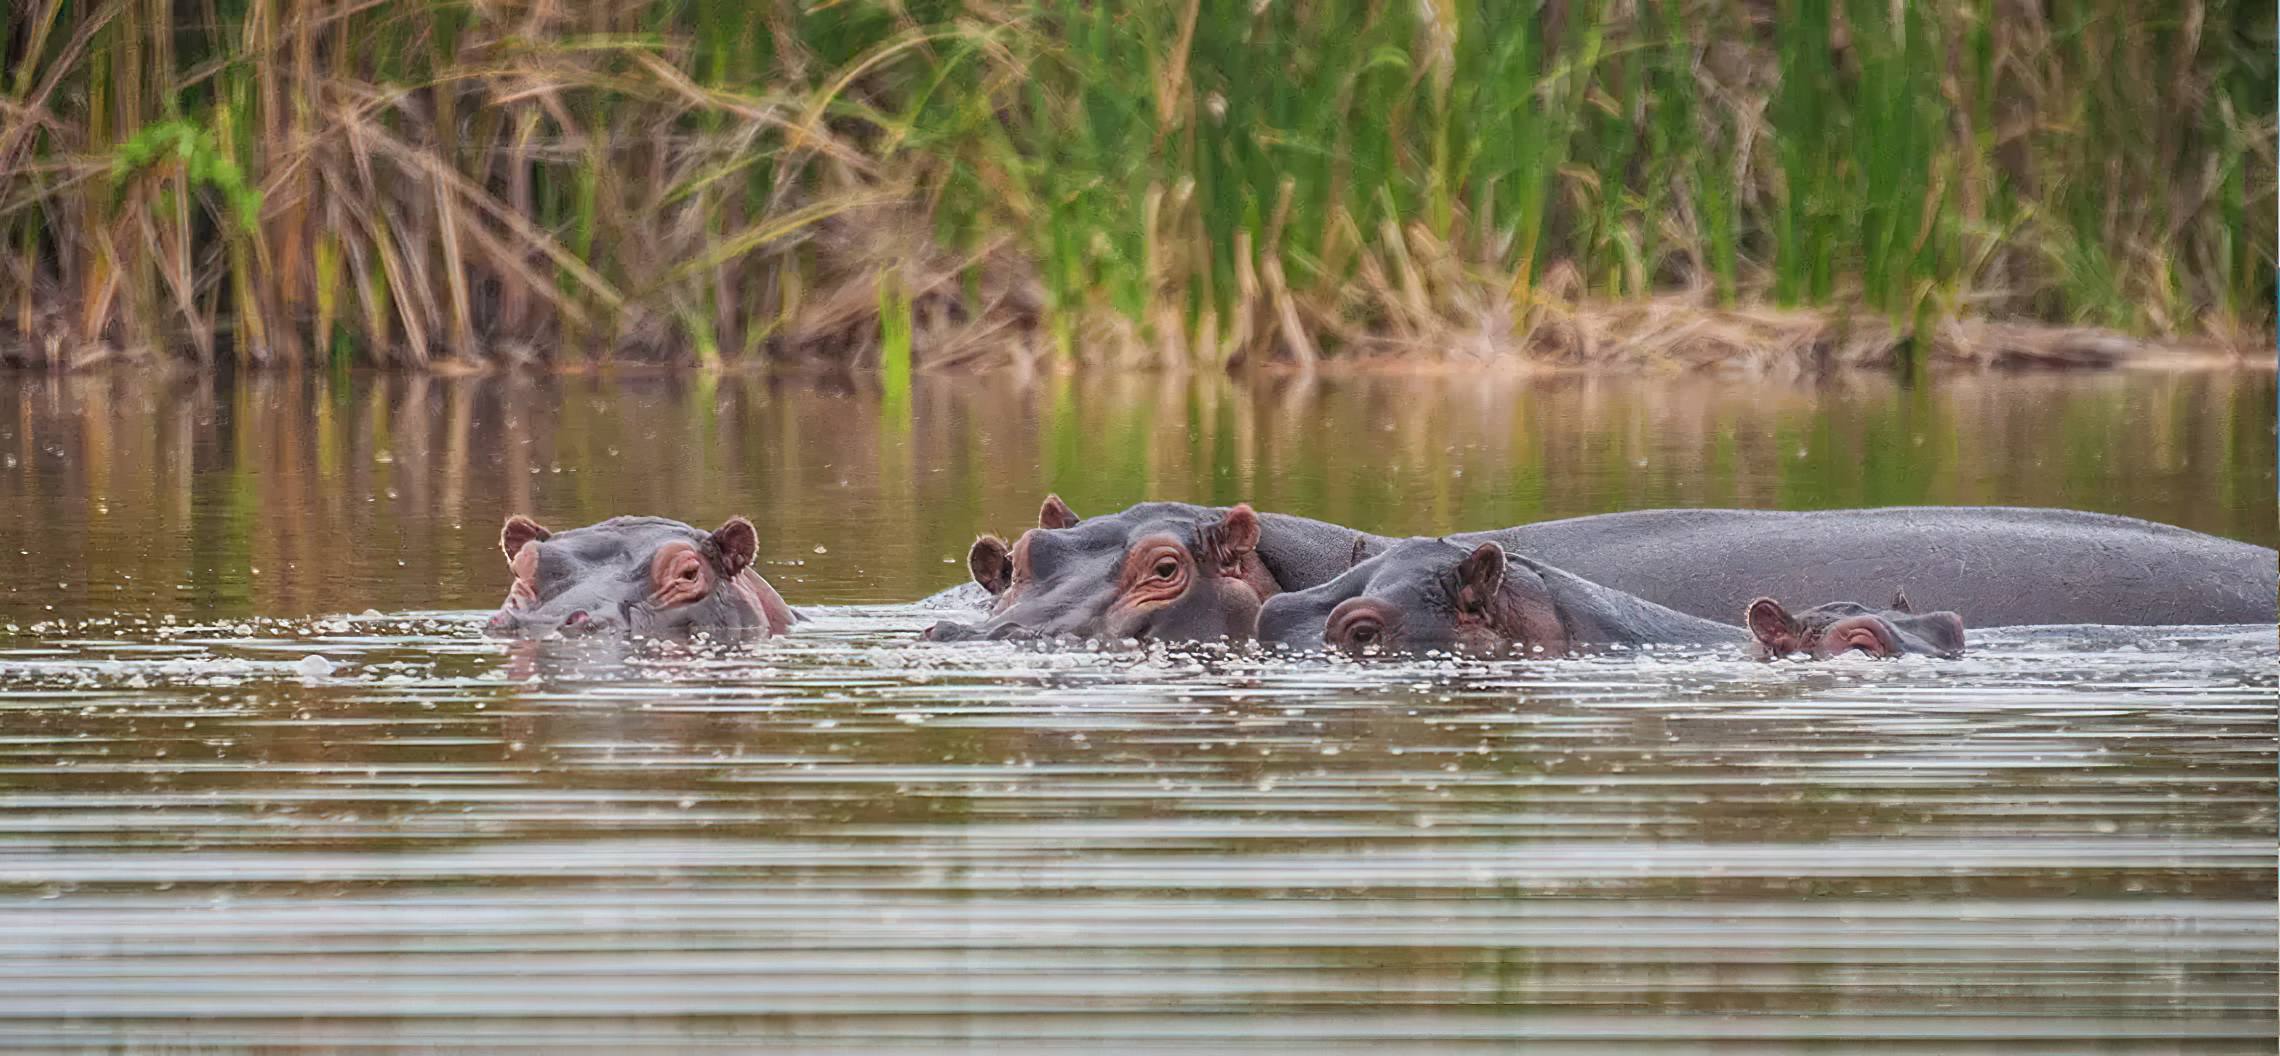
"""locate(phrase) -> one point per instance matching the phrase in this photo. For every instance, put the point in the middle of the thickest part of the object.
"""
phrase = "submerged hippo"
(1159, 571)
(1431, 595)
(1089, 577)
(643, 576)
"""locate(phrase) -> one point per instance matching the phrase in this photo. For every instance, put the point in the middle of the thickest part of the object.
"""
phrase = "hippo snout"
(1288, 621)
(946, 631)
(976, 632)
(578, 623)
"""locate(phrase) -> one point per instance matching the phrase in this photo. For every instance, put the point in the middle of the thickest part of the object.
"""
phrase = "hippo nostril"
(946, 631)
(580, 623)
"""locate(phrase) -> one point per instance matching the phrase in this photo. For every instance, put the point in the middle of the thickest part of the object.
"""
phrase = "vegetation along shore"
(1573, 183)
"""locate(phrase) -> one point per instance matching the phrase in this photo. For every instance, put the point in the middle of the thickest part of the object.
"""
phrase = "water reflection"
(294, 495)
(849, 840)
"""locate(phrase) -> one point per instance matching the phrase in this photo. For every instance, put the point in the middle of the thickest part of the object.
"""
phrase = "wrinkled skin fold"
(1433, 596)
(646, 577)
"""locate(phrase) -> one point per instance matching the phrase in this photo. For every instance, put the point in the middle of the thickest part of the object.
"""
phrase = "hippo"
(640, 576)
(1162, 571)
(2005, 565)
(1432, 595)
(1837, 627)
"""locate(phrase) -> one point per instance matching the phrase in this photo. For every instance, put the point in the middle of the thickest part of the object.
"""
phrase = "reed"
(931, 183)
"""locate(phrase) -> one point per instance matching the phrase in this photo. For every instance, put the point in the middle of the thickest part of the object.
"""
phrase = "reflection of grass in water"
(408, 182)
(126, 488)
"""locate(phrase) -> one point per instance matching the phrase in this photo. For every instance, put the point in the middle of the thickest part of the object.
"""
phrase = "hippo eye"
(1364, 634)
(681, 571)
(1167, 568)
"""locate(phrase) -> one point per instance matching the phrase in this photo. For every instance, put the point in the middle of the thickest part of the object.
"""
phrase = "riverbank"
(1671, 334)
(420, 184)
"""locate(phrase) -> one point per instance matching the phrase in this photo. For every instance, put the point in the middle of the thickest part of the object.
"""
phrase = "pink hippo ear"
(1056, 514)
(1479, 576)
(989, 563)
(1228, 540)
(1777, 632)
(737, 543)
(519, 532)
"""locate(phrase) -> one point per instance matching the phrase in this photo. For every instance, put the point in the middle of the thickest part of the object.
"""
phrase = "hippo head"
(1840, 627)
(1419, 596)
(1160, 571)
(642, 576)
(1430, 595)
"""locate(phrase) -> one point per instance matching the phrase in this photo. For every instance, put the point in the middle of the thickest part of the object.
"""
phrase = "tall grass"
(932, 182)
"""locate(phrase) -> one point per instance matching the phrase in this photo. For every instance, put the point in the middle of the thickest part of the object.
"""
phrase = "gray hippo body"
(1431, 595)
(1997, 565)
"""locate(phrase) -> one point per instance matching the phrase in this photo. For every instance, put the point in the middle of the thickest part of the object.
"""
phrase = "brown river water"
(852, 841)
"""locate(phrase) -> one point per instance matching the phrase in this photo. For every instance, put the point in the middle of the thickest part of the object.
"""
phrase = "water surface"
(851, 841)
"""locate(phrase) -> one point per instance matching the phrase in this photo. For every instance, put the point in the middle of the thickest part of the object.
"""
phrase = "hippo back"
(1995, 565)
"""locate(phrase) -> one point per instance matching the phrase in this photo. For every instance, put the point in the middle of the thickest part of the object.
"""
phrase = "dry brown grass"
(1617, 184)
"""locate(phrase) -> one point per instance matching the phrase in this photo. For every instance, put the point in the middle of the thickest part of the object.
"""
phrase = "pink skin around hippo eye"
(679, 576)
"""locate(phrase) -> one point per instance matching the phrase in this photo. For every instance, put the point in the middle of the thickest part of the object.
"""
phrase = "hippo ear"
(1900, 601)
(737, 543)
(1228, 540)
(519, 532)
(1776, 631)
(990, 565)
(1055, 514)
(1479, 576)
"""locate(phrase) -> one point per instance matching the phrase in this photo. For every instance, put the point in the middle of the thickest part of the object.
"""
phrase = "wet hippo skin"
(641, 576)
(1432, 595)
(1997, 565)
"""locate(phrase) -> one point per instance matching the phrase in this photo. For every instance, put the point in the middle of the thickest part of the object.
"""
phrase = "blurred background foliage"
(936, 182)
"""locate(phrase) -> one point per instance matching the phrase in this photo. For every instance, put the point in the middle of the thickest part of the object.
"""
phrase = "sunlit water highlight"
(851, 839)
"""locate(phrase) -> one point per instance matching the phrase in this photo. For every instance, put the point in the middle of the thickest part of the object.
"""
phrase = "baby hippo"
(1424, 595)
(641, 576)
